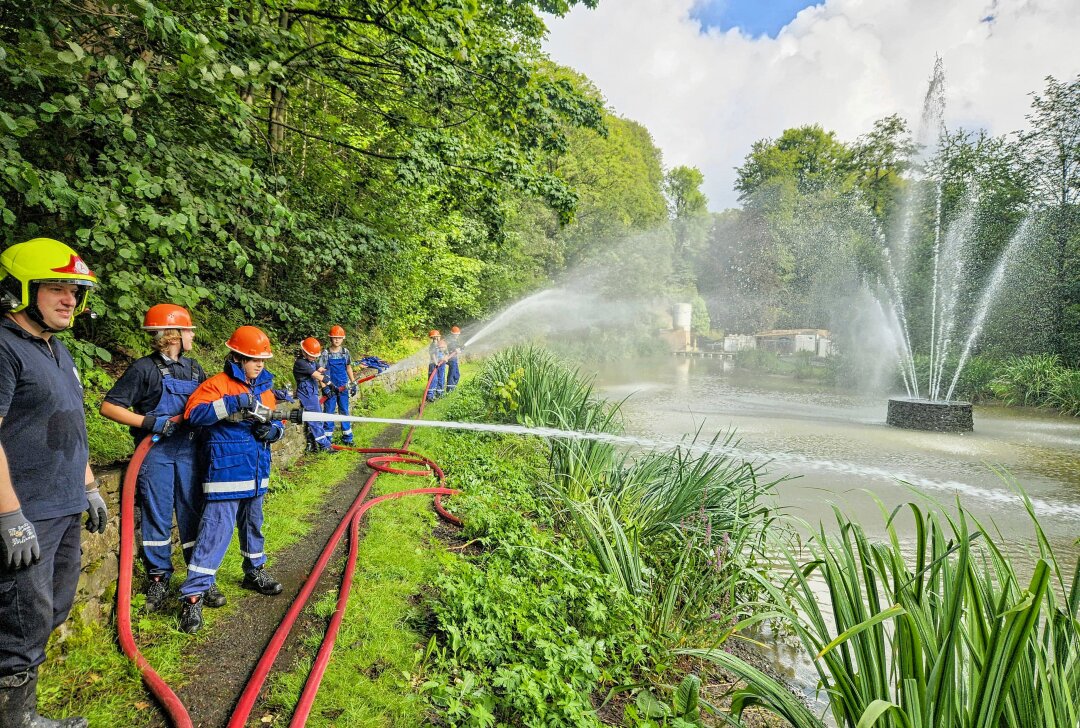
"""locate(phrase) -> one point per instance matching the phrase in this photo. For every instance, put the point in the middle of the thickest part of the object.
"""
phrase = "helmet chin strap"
(34, 312)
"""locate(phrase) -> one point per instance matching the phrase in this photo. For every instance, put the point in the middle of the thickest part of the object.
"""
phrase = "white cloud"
(707, 96)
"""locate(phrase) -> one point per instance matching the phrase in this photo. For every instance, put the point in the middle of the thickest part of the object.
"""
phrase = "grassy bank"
(539, 610)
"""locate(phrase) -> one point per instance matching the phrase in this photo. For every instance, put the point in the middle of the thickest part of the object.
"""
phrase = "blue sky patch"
(754, 17)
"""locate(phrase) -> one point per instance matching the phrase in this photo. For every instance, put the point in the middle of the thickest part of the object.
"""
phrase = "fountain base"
(932, 415)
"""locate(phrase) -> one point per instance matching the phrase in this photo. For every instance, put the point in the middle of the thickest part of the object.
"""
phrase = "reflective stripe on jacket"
(238, 464)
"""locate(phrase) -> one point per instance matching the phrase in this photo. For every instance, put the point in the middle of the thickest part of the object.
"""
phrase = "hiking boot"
(259, 580)
(157, 590)
(191, 614)
(213, 597)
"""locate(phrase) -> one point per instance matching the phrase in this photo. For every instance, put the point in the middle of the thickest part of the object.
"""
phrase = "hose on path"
(382, 460)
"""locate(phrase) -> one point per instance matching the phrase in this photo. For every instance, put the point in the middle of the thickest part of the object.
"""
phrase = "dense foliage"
(383, 165)
(594, 564)
(943, 631)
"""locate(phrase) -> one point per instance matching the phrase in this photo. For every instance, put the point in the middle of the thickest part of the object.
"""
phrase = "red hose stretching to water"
(168, 699)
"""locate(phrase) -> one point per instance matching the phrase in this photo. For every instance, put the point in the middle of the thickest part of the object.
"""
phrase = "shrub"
(1026, 380)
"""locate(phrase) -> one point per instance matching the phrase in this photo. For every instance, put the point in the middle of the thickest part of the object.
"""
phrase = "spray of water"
(989, 296)
(759, 458)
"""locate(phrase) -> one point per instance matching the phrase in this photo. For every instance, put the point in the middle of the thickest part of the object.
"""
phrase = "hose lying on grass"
(380, 462)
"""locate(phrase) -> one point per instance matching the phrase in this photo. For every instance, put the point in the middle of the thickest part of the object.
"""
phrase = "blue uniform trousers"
(318, 432)
(36, 599)
(168, 481)
(453, 375)
(219, 517)
(438, 382)
(339, 402)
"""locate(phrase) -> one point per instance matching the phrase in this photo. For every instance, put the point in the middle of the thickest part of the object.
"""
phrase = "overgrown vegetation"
(942, 632)
(585, 583)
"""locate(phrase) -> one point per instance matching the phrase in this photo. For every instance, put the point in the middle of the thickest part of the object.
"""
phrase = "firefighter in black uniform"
(45, 478)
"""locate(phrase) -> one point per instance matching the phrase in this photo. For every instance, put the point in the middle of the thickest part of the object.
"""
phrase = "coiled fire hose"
(379, 463)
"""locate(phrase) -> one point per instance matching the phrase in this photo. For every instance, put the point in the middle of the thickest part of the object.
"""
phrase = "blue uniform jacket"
(239, 464)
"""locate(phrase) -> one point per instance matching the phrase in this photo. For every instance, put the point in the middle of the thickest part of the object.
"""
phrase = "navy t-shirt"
(44, 429)
(302, 369)
(139, 388)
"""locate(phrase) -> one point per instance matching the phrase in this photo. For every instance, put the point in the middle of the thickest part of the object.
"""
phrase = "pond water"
(836, 450)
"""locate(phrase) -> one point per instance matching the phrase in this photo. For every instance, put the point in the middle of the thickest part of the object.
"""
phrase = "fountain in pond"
(929, 404)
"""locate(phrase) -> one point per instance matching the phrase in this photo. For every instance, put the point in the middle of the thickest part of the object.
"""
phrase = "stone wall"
(95, 598)
(921, 414)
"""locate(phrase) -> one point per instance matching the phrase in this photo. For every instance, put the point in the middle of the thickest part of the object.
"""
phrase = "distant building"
(738, 342)
(792, 341)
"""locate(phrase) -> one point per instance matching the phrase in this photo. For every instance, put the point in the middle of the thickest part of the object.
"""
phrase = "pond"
(835, 449)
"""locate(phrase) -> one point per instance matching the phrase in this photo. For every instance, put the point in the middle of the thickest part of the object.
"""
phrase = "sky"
(710, 77)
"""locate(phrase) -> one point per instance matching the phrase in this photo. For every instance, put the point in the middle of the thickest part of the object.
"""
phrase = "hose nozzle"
(289, 414)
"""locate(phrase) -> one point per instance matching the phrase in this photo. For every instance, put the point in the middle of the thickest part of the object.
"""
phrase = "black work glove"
(162, 425)
(97, 514)
(352, 389)
(263, 431)
(18, 540)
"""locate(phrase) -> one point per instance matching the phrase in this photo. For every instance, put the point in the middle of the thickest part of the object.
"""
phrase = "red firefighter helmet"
(455, 330)
(337, 331)
(250, 341)
(434, 334)
(167, 316)
(311, 346)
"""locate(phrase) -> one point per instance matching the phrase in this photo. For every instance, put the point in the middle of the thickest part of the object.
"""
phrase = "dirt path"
(227, 659)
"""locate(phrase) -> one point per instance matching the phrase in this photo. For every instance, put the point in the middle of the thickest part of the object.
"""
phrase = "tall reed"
(949, 637)
(676, 527)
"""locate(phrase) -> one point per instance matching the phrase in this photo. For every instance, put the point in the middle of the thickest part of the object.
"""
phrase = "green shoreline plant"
(588, 580)
(950, 636)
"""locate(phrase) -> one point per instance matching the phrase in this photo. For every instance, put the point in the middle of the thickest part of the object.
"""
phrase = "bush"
(1026, 380)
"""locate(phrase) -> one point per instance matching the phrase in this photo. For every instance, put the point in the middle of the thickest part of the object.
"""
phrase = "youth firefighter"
(435, 364)
(45, 477)
(152, 391)
(337, 362)
(233, 407)
(453, 347)
(311, 380)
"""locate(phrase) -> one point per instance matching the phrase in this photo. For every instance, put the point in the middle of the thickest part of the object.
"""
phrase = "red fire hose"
(379, 462)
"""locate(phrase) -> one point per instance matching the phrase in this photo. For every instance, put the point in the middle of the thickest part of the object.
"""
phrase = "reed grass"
(950, 636)
(676, 527)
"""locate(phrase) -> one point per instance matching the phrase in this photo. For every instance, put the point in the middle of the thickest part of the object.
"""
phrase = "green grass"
(88, 675)
(367, 683)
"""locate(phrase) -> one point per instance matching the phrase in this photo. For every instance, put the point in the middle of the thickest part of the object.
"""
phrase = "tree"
(688, 212)
(878, 161)
(1052, 151)
(809, 156)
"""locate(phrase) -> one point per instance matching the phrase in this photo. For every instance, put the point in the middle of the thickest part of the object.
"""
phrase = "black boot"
(213, 597)
(18, 704)
(191, 614)
(261, 581)
(157, 589)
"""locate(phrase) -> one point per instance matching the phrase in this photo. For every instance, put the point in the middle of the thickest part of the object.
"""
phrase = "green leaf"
(67, 57)
(249, 270)
(49, 107)
(103, 354)
(686, 696)
(8, 122)
(650, 706)
(129, 134)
